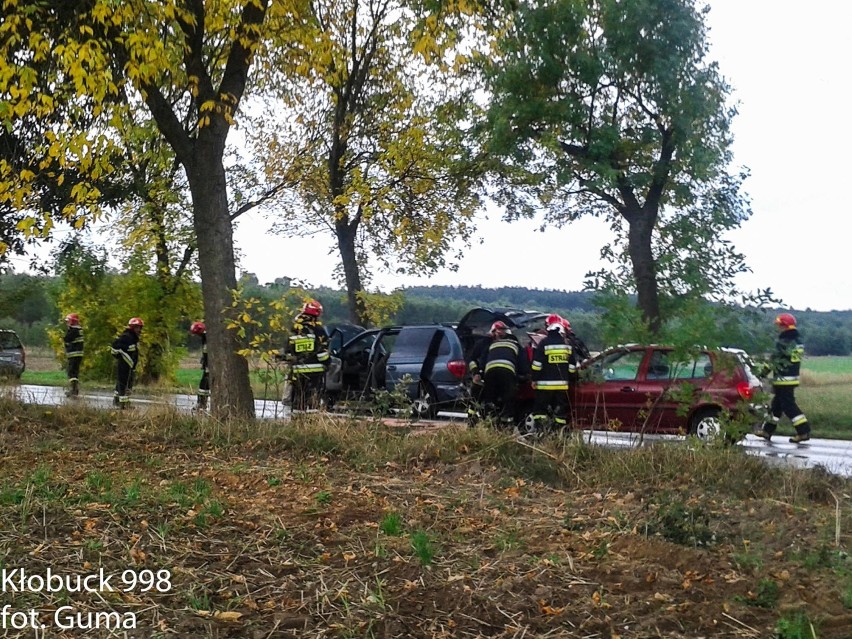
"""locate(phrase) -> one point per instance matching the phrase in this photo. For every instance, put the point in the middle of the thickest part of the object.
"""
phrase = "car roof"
(513, 317)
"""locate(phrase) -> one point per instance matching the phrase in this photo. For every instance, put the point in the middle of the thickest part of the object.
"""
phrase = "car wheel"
(425, 405)
(705, 424)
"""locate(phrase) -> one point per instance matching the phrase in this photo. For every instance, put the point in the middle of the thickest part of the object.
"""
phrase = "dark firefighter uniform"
(477, 385)
(504, 363)
(307, 351)
(204, 385)
(786, 364)
(125, 349)
(74, 356)
(552, 367)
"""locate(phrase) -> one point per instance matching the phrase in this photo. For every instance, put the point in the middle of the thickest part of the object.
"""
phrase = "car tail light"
(745, 390)
(457, 367)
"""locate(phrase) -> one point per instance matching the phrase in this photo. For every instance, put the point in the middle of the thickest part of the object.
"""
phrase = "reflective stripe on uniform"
(500, 363)
(505, 343)
(305, 369)
(798, 420)
(786, 381)
(125, 356)
(549, 385)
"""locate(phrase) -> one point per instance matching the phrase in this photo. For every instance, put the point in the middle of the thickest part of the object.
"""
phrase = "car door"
(355, 358)
(671, 385)
(608, 396)
(411, 352)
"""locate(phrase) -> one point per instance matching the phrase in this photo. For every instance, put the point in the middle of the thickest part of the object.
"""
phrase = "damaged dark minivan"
(431, 359)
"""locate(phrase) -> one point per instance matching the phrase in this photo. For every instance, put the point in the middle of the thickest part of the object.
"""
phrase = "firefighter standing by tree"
(200, 329)
(73, 353)
(552, 366)
(307, 352)
(785, 366)
(126, 352)
(503, 364)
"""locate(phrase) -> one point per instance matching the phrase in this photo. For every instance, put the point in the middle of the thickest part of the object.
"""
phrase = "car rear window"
(415, 341)
(9, 341)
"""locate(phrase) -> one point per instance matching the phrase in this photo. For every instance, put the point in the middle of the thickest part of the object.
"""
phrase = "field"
(344, 529)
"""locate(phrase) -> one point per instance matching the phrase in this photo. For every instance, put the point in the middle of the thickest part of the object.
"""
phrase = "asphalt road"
(832, 454)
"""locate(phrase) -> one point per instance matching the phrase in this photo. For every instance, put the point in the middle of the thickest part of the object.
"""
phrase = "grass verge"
(350, 528)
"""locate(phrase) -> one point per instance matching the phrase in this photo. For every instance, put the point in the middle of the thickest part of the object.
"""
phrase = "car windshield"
(9, 341)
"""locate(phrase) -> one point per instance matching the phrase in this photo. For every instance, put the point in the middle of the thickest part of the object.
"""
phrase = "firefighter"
(73, 353)
(200, 329)
(552, 366)
(307, 352)
(125, 349)
(477, 385)
(785, 366)
(503, 364)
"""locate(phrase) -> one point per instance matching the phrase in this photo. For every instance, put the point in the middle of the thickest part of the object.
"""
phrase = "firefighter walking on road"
(307, 352)
(203, 394)
(552, 367)
(73, 353)
(785, 366)
(503, 364)
(125, 349)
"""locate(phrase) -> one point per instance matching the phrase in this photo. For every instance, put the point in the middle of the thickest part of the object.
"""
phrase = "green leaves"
(610, 108)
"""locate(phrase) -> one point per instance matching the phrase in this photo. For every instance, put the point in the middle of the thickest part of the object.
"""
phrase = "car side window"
(363, 343)
(698, 367)
(659, 367)
(9, 341)
(623, 366)
(444, 346)
(414, 341)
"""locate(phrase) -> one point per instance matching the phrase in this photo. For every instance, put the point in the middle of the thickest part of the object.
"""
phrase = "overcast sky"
(788, 63)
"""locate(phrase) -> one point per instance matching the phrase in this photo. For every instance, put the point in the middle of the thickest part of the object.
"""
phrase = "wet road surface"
(834, 455)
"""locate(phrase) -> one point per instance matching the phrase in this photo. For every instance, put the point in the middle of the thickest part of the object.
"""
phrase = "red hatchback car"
(646, 388)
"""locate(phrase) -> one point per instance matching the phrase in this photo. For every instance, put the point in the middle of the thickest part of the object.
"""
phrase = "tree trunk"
(351, 273)
(231, 393)
(641, 228)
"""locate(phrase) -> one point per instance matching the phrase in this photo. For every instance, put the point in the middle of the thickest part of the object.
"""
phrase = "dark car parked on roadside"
(13, 358)
(641, 388)
(433, 358)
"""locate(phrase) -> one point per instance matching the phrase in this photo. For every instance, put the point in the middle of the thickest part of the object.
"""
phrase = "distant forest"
(28, 305)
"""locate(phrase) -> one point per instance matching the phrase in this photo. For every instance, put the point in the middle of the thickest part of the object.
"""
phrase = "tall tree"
(612, 109)
(366, 148)
(188, 61)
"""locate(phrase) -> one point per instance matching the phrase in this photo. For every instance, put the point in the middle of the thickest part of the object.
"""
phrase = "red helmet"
(73, 319)
(553, 318)
(498, 326)
(135, 322)
(312, 307)
(198, 328)
(556, 326)
(785, 321)
(566, 325)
